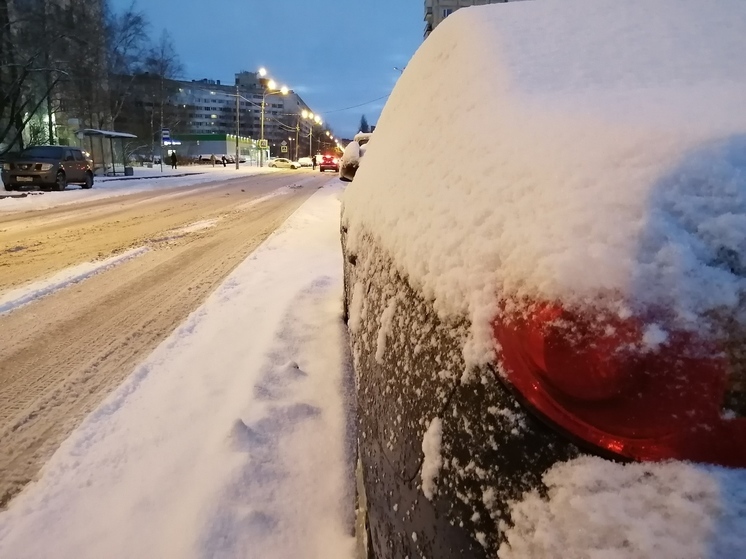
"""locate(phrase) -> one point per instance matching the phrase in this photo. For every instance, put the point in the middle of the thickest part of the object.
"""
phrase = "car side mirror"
(347, 172)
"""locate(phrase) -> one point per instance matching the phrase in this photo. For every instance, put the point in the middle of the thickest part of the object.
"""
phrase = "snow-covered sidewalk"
(232, 439)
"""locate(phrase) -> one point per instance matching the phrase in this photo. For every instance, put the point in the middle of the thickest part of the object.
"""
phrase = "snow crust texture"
(603, 510)
(563, 151)
(433, 461)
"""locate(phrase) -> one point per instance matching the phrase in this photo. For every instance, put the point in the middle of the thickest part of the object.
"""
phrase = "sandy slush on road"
(61, 355)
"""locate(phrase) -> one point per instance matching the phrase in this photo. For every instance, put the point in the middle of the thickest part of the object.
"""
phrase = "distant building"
(437, 10)
(209, 107)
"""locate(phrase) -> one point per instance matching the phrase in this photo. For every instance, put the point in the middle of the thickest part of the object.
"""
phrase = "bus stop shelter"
(98, 138)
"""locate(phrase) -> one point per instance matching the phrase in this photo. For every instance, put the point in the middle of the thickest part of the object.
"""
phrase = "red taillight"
(600, 381)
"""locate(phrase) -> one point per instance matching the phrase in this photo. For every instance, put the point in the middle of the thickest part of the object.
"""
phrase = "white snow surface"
(351, 154)
(591, 152)
(432, 460)
(601, 510)
(386, 328)
(15, 298)
(231, 439)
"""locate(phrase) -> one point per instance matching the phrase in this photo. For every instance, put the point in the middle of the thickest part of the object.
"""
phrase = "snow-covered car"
(549, 338)
(353, 153)
(282, 163)
(305, 162)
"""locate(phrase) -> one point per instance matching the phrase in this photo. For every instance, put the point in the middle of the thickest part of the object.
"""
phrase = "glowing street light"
(271, 89)
(314, 119)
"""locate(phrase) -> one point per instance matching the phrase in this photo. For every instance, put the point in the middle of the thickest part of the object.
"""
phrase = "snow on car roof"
(586, 151)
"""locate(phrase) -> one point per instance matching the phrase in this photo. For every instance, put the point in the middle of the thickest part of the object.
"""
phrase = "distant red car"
(329, 163)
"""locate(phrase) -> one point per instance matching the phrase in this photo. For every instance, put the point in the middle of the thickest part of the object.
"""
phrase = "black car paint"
(490, 445)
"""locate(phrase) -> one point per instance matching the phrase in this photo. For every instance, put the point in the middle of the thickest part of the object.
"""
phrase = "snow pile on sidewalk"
(231, 439)
(563, 151)
(596, 508)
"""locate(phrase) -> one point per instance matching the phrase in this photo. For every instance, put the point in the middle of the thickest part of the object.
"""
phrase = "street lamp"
(313, 119)
(271, 89)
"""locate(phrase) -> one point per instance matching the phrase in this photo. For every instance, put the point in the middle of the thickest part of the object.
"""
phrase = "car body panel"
(329, 163)
(283, 163)
(418, 377)
(593, 189)
(25, 169)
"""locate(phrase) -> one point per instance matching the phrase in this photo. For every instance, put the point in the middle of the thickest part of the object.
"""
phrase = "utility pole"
(238, 106)
(161, 124)
(297, 136)
(261, 136)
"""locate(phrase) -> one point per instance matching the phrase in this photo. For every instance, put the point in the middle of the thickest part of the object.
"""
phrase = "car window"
(78, 155)
(47, 152)
(69, 155)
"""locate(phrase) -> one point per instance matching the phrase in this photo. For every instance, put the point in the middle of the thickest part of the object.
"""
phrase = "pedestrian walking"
(212, 159)
(174, 160)
(224, 161)
(314, 162)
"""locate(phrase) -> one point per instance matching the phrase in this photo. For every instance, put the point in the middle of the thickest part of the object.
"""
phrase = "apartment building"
(211, 109)
(437, 10)
(208, 107)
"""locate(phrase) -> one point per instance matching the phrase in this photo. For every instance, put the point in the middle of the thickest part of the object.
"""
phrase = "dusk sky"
(335, 53)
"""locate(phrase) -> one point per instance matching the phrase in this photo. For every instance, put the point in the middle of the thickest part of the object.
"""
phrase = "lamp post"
(238, 105)
(314, 119)
(270, 89)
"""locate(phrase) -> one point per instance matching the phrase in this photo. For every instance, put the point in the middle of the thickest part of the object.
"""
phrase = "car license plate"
(24, 179)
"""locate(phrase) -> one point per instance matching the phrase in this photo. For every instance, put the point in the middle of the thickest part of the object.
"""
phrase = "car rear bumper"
(18, 179)
(334, 168)
(492, 450)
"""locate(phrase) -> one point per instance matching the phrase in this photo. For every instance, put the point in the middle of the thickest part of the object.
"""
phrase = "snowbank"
(15, 298)
(231, 439)
(559, 150)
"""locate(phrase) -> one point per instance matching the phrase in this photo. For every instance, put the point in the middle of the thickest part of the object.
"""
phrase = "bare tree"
(86, 88)
(127, 48)
(162, 65)
(27, 73)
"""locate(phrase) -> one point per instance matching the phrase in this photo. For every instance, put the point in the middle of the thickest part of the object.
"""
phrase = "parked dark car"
(49, 167)
(567, 305)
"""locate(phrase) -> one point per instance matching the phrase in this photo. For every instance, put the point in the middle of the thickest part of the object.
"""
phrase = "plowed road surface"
(62, 354)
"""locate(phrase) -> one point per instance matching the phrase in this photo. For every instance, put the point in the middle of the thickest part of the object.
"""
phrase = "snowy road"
(62, 354)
